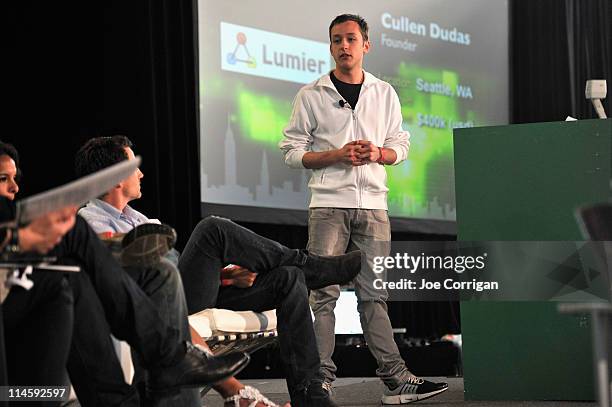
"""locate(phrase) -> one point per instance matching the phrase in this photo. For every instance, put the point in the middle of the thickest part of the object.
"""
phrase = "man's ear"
(366, 46)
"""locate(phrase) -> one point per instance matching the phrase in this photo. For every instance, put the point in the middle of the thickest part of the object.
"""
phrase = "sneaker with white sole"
(414, 389)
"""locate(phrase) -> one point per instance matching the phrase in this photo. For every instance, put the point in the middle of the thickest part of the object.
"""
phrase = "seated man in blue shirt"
(280, 276)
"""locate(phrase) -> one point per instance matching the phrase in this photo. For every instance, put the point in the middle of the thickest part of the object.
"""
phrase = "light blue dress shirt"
(103, 217)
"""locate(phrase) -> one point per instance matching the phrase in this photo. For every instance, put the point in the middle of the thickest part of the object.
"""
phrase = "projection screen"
(446, 59)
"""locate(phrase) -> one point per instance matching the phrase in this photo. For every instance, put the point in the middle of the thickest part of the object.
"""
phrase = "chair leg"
(600, 354)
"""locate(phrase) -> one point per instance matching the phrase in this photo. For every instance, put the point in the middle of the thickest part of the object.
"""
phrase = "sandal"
(250, 394)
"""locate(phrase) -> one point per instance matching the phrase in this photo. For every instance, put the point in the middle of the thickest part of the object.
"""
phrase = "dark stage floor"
(365, 392)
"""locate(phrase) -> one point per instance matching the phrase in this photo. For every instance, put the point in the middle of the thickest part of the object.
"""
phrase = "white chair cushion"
(214, 321)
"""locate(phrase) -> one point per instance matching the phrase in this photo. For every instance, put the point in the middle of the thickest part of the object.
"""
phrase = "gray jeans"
(333, 231)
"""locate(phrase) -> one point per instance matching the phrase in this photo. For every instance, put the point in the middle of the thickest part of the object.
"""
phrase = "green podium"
(524, 182)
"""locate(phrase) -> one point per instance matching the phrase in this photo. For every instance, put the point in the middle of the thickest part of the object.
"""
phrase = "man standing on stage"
(346, 126)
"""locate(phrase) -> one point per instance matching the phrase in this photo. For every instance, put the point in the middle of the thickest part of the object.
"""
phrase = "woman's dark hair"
(11, 151)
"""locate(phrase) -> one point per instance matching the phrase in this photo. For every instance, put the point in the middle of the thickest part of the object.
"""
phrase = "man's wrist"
(337, 156)
(316, 160)
(381, 156)
(224, 278)
(12, 245)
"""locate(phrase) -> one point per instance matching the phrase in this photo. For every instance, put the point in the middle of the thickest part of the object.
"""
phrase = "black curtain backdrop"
(83, 69)
(555, 46)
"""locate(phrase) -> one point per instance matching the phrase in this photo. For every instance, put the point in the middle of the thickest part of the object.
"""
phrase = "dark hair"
(11, 151)
(343, 18)
(99, 153)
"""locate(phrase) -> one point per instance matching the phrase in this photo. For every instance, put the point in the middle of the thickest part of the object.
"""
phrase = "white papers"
(76, 192)
(8, 265)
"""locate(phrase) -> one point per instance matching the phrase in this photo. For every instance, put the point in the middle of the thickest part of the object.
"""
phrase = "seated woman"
(45, 310)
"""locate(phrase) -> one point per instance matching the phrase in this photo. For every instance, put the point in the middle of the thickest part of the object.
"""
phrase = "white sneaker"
(414, 389)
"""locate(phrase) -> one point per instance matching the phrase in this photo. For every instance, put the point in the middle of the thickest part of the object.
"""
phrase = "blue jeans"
(127, 310)
(145, 307)
(94, 368)
(216, 242)
(162, 283)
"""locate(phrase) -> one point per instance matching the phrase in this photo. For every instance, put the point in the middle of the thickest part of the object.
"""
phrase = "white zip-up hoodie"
(319, 123)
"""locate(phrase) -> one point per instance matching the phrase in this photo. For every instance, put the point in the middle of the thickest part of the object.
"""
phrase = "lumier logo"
(272, 55)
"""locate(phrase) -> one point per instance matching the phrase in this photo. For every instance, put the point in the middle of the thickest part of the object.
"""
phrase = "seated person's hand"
(44, 233)
(237, 276)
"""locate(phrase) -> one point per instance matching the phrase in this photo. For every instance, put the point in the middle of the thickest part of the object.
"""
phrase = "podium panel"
(524, 182)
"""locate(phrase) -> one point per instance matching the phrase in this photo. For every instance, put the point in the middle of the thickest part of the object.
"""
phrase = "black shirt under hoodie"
(348, 91)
